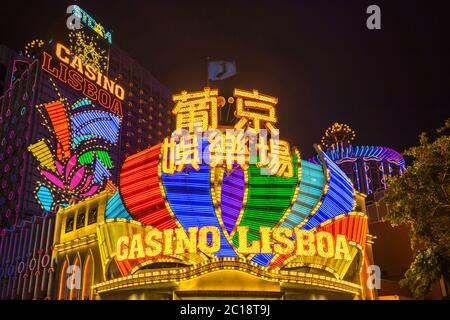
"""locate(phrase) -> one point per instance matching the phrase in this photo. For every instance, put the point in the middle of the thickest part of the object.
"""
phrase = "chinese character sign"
(254, 139)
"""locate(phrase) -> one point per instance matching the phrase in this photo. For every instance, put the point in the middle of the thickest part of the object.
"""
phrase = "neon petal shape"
(69, 166)
(141, 189)
(91, 191)
(45, 197)
(309, 194)
(232, 196)
(60, 123)
(87, 183)
(59, 167)
(43, 154)
(76, 179)
(268, 199)
(53, 179)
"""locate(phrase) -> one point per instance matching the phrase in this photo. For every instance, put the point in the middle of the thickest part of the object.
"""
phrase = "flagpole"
(207, 72)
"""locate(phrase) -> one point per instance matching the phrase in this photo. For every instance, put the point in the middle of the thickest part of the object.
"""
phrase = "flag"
(220, 70)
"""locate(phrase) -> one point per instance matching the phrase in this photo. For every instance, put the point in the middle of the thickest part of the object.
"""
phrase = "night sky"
(316, 56)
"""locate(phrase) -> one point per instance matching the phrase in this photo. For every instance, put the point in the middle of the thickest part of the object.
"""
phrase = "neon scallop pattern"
(315, 194)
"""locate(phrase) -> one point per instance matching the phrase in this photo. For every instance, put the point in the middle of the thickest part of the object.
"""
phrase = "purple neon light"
(15, 66)
(88, 182)
(232, 197)
(366, 169)
(355, 169)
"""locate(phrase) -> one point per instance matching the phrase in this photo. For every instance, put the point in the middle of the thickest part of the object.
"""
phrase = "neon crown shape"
(316, 197)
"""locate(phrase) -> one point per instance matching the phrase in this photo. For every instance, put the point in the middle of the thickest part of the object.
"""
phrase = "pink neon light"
(91, 191)
(72, 162)
(59, 167)
(53, 179)
(76, 179)
(88, 182)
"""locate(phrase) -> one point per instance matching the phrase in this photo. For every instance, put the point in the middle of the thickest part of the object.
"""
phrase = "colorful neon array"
(338, 198)
(315, 195)
(75, 162)
(244, 198)
(353, 226)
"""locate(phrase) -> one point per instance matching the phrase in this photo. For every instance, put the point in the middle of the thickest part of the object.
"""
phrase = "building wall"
(76, 255)
(147, 106)
(26, 269)
(16, 122)
(6, 63)
(146, 122)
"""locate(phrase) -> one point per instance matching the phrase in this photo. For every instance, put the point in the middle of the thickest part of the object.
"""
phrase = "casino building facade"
(85, 245)
(44, 101)
(29, 83)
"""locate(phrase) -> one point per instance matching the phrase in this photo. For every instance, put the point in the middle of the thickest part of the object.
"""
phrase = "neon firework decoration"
(75, 162)
(338, 133)
(204, 187)
(32, 48)
(86, 48)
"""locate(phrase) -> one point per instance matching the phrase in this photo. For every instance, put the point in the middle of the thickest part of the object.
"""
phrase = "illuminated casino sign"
(213, 193)
(96, 86)
(306, 243)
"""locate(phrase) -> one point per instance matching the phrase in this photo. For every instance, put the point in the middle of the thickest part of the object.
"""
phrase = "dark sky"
(316, 56)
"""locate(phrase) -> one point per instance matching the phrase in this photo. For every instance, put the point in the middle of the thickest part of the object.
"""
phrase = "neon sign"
(84, 78)
(91, 23)
(203, 195)
(273, 241)
(248, 143)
